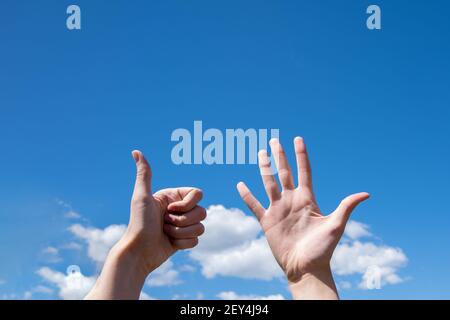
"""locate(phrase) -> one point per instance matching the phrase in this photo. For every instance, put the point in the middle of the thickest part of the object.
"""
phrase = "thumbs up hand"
(160, 224)
(164, 222)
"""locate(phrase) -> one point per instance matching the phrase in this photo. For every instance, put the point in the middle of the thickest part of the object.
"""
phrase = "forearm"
(317, 285)
(122, 277)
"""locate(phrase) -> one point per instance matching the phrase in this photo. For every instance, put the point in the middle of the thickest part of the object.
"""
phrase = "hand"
(301, 238)
(164, 222)
(160, 224)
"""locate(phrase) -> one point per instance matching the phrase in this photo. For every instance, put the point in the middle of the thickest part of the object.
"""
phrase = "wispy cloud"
(72, 215)
(99, 241)
(165, 275)
(231, 295)
(51, 255)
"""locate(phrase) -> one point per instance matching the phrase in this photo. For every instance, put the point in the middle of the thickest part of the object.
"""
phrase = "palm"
(300, 237)
(147, 221)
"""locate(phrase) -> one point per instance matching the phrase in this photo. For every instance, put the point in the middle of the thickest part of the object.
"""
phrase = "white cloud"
(28, 295)
(199, 296)
(63, 203)
(99, 241)
(9, 296)
(352, 256)
(227, 228)
(231, 246)
(231, 295)
(344, 285)
(72, 215)
(50, 250)
(165, 275)
(42, 289)
(145, 296)
(355, 230)
(51, 254)
(187, 268)
(71, 246)
(72, 286)
(358, 257)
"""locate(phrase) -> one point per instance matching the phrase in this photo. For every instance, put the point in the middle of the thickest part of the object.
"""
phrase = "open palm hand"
(301, 238)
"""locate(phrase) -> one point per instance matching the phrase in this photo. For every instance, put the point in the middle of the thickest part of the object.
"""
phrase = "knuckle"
(345, 203)
(180, 220)
(173, 230)
(284, 174)
(193, 243)
(199, 192)
(201, 229)
(203, 213)
(143, 174)
(141, 198)
(245, 195)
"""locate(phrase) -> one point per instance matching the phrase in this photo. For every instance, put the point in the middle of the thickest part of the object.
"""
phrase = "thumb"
(345, 208)
(142, 185)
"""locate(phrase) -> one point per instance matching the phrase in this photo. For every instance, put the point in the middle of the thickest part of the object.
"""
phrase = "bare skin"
(160, 224)
(301, 238)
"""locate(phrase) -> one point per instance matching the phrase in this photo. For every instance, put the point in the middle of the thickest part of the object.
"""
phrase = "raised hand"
(301, 238)
(160, 224)
(163, 222)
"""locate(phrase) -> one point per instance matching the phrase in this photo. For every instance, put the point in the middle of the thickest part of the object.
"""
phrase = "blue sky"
(373, 107)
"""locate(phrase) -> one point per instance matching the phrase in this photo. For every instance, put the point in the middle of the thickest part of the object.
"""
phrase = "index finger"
(189, 199)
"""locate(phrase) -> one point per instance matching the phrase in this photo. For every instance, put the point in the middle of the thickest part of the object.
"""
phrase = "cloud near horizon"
(232, 246)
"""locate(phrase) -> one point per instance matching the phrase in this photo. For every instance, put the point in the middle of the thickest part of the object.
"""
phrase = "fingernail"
(298, 139)
(274, 140)
(262, 153)
(135, 155)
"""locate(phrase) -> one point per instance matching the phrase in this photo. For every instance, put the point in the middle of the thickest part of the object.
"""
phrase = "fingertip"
(173, 206)
(199, 192)
(135, 154)
(363, 195)
(241, 188)
(262, 153)
(274, 141)
(298, 139)
(299, 144)
(366, 196)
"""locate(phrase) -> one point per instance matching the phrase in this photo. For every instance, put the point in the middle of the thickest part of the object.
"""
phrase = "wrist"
(126, 256)
(317, 284)
(122, 276)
